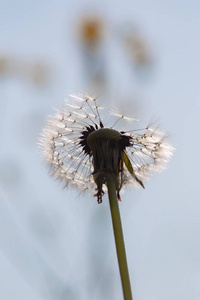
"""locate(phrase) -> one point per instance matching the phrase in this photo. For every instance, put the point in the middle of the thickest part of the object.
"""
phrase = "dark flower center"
(106, 146)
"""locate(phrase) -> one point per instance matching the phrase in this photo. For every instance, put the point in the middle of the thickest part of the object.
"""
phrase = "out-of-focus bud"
(91, 32)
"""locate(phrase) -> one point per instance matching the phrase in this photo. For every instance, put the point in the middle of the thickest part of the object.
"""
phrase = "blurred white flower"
(81, 150)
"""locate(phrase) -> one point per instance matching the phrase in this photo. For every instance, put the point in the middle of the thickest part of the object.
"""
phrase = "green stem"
(119, 240)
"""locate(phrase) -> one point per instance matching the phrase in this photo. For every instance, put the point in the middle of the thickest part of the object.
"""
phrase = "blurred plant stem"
(119, 239)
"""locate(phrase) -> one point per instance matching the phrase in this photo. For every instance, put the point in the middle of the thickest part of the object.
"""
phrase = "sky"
(55, 243)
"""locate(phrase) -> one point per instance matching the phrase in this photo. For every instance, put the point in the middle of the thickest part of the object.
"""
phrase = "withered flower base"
(106, 146)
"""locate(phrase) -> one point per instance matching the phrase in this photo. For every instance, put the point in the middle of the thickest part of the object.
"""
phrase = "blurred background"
(143, 57)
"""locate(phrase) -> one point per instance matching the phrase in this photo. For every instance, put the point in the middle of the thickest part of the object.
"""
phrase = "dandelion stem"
(119, 240)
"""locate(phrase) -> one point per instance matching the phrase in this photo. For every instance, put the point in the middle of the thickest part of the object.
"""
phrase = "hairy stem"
(119, 239)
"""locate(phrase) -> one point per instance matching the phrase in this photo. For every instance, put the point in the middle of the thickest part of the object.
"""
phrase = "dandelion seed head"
(80, 149)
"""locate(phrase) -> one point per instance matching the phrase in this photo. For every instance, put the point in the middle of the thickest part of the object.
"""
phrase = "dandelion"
(81, 150)
(85, 154)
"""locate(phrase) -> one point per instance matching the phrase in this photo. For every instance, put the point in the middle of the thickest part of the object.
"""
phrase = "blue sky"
(55, 244)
